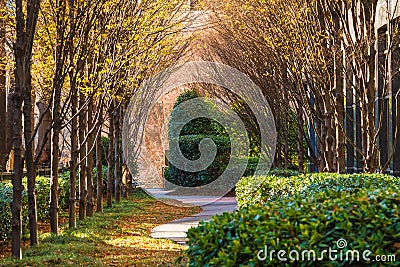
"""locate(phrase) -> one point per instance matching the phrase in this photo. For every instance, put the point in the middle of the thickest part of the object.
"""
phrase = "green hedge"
(260, 189)
(367, 219)
(303, 212)
(42, 202)
(65, 176)
(189, 145)
(5, 210)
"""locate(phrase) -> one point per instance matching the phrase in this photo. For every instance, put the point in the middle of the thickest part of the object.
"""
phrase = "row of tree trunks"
(72, 21)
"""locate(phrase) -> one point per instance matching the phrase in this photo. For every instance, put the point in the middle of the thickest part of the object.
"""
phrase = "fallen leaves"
(118, 237)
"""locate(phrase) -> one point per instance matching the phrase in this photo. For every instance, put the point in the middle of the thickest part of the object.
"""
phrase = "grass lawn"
(118, 237)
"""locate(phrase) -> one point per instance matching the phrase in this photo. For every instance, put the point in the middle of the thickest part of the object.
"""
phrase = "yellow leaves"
(127, 42)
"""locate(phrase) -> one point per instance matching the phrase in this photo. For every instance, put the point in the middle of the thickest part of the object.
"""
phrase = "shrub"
(63, 192)
(253, 190)
(190, 136)
(261, 189)
(201, 125)
(42, 197)
(5, 210)
(367, 219)
(42, 203)
(189, 147)
(192, 133)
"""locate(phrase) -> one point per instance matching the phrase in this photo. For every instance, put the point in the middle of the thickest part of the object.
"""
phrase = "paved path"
(176, 230)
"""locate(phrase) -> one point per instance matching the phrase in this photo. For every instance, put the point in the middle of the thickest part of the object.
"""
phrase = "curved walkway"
(176, 230)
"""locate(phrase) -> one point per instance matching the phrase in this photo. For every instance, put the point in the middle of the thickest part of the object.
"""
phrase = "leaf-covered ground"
(118, 237)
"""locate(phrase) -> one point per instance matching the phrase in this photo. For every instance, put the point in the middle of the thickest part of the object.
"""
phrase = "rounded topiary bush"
(190, 137)
(189, 145)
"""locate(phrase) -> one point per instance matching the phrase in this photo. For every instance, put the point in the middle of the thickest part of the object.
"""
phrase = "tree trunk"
(300, 140)
(118, 176)
(371, 160)
(82, 155)
(29, 119)
(16, 205)
(17, 174)
(278, 154)
(287, 122)
(110, 157)
(43, 147)
(74, 152)
(339, 96)
(328, 135)
(90, 163)
(55, 140)
(54, 163)
(18, 169)
(126, 179)
(23, 55)
(58, 82)
(287, 141)
(321, 147)
(30, 162)
(99, 166)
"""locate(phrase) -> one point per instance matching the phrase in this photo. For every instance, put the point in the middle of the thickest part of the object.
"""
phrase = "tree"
(5, 148)
(25, 31)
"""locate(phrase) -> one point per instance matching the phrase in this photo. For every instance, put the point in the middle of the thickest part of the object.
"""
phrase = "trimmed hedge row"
(42, 202)
(261, 189)
(303, 212)
(367, 219)
(5, 210)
